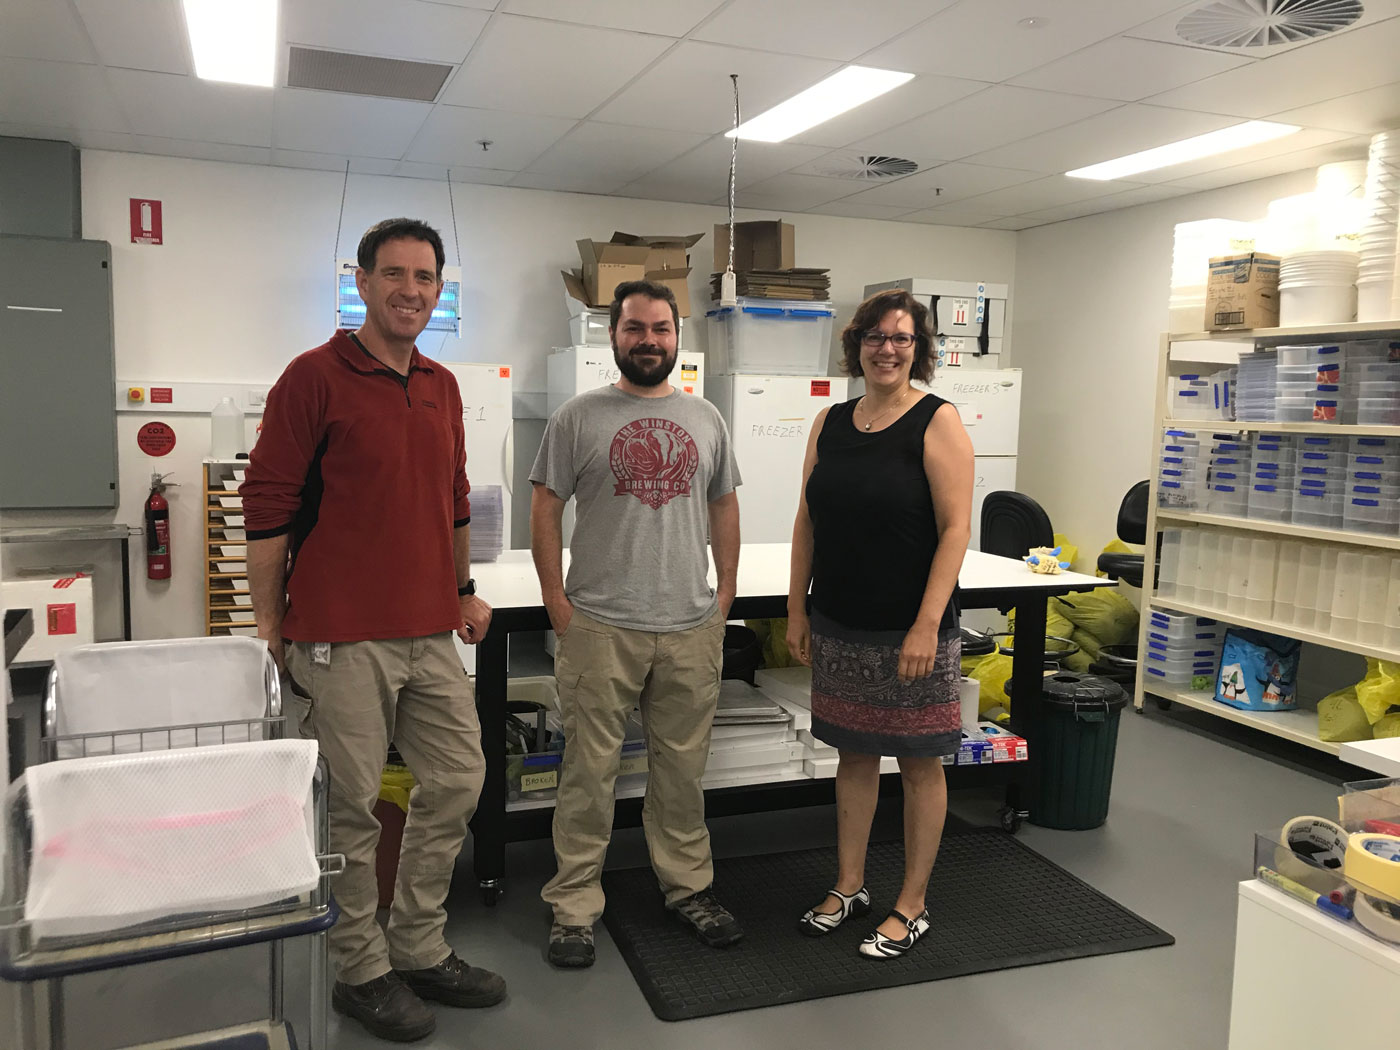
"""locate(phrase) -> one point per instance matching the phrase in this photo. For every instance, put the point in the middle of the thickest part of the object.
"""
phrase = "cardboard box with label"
(62, 608)
(1242, 292)
(631, 257)
(767, 245)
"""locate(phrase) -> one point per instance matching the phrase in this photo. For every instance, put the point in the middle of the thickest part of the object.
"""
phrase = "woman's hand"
(799, 638)
(918, 652)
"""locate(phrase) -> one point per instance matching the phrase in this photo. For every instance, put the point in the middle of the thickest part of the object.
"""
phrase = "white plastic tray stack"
(1181, 649)
(1231, 459)
(1376, 273)
(1256, 393)
(1273, 473)
(1181, 481)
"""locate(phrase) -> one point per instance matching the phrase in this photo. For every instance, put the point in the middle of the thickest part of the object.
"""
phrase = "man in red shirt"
(358, 531)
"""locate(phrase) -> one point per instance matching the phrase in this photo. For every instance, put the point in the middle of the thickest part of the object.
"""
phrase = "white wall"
(1091, 304)
(243, 283)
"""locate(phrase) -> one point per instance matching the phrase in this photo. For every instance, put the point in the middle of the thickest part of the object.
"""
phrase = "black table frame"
(493, 827)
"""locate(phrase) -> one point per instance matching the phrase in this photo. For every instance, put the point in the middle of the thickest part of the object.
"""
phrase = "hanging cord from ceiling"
(728, 283)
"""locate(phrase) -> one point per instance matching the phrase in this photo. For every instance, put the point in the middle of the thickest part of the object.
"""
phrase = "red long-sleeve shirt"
(366, 469)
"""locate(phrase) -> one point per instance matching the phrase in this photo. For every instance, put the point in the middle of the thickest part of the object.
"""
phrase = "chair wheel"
(490, 895)
(1163, 704)
(1011, 819)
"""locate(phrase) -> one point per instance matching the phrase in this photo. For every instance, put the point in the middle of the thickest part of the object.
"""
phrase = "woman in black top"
(881, 530)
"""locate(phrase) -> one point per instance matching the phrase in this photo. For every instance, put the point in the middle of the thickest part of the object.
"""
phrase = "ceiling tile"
(184, 107)
(1128, 69)
(853, 209)
(1116, 133)
(949, 217)
(1282, 164)
(1019, 223)
(464, 174)
(1365, 112)
(668, 17)
(480, 5)
(113, 141)
(565, 76)
(819, 28)
(1347, 62)
(292, 158)
(944, 184)
(57, 94)
(229, 154)
(451, 135)
(1299, 140)
(983, 40)
(613, 152)
(570, 183)
(703, 174)
(429, 32)
(42, 29)
(137, 34)
(328, 122)
(1113, 202)
(921, 95)
(689, 89)
(1052, 192)
(1164, 29)
(982, 122)
(792, 192)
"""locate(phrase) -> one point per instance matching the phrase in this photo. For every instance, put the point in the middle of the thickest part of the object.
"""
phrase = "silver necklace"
(874, 419)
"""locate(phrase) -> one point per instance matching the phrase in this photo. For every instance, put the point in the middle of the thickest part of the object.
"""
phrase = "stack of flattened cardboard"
(629, 257)
(764, 263)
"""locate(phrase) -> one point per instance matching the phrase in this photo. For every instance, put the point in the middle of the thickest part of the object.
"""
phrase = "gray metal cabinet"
(58, 424)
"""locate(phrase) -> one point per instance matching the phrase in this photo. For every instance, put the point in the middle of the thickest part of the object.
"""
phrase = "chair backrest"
(1013, 523)
(123, 687)
(1132, 514)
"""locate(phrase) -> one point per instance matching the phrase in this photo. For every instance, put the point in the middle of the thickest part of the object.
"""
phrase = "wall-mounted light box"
(350, 308)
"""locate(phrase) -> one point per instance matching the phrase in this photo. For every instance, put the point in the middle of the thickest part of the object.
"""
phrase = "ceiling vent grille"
(365, 74)
(866, 169)
(1266, 23)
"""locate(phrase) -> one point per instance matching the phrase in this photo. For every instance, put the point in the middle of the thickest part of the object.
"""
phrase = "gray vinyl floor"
(1186, 802)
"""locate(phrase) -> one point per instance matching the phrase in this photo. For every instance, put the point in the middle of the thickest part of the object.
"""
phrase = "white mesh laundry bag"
(117, 687)
(125, 839)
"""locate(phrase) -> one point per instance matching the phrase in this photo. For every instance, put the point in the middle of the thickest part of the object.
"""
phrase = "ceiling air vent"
(866, 169)
(1266, 23)
(365, 74)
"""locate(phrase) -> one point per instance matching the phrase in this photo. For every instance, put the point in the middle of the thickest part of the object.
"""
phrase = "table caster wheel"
(491, 893)
(1011, 819)
(1163, 704)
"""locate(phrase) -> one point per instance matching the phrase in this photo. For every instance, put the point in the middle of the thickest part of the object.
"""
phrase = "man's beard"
(644, 374)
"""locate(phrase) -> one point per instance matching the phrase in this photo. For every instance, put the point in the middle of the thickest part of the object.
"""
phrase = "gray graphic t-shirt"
(642, 471)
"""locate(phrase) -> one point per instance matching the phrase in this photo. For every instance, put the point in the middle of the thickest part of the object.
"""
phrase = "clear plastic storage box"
(771, 337)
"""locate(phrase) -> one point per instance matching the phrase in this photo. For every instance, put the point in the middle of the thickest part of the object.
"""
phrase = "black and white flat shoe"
(878, 946)
(819, 924)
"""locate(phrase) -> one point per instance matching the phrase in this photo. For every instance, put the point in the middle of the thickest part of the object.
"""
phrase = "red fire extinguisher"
(157, 530)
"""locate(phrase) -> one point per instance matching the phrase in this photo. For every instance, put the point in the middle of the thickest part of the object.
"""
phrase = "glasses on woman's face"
(899, 340)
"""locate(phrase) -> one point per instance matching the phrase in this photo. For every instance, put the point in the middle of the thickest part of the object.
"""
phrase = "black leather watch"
(470, 588)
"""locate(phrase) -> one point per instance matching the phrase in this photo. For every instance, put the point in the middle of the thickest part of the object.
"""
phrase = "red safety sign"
(145, 221)
(156, 439)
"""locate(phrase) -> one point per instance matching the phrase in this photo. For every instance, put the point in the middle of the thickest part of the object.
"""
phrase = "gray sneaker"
(709, 919)
(570, 947)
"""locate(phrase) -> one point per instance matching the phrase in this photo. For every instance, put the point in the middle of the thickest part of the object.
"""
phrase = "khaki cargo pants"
(602, 674)
(362, 696)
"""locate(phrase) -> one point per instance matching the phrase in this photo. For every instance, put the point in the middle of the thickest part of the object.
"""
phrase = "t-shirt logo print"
(654, 460)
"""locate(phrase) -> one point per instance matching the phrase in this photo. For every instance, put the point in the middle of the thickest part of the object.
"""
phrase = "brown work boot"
(387, 1008)
(454, 983)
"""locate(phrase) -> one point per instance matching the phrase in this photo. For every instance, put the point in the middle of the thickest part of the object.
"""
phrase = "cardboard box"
(629, 257)
(1242, 292)
(766, 245)
(667, 251)
(606, 265)
(62, 608)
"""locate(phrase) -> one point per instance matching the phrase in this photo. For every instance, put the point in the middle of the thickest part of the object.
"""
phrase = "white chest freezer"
(989, 403)
(578, 369)
(770, 419)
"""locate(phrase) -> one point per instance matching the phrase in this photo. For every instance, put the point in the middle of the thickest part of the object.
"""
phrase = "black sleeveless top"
(873, 521)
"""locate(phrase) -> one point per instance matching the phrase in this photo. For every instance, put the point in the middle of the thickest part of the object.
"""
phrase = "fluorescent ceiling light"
(835, 95)
(233, 40)
(1250, 133)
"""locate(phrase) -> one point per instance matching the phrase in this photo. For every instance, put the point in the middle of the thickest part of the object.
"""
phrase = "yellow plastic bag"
(1340, 717)
(395, 785)
(1055, 623)
(1387, 727)
(1089, 644)
(1104, 613)
(1069, 552)
(1380, 689)
(773, 635)
(991, 674)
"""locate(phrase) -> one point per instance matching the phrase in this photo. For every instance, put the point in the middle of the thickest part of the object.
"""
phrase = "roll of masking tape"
(1373, 861)
(1310, 843)
(1378, 917)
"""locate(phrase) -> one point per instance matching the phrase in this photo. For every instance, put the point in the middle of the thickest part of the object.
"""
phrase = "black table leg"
(489, 823)
(126, 587)
(1027, 672)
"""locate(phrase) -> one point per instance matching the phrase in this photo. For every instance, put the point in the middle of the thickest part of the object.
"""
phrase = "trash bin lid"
(1071, 690)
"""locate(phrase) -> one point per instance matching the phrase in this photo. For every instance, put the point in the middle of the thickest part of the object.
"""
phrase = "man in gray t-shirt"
(652, 472)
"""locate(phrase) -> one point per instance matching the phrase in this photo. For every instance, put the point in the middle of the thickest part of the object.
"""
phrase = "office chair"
(1132, 528)
(1013, 523)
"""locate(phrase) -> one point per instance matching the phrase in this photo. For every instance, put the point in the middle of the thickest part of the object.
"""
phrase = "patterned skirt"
(860, 705)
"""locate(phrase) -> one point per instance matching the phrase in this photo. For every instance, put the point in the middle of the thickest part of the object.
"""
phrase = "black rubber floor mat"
(994, 902)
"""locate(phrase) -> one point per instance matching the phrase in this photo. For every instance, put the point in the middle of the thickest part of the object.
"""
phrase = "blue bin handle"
(764, 311)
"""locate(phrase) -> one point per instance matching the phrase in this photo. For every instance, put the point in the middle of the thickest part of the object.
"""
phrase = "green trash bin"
(1077, 738)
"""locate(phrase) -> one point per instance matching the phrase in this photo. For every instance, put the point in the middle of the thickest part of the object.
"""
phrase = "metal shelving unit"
(1299, 725)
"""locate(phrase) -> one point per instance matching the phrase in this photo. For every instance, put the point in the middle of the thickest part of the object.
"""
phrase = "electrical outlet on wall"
(257, 397)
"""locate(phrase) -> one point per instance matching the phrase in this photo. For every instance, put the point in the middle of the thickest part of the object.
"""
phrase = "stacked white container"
(1373, 486)
(1182, 474)
(1256, 392)
(1376, 273)
(1317, 288)
(1376, 367)
(1272, 475)
(1182, 648)
(1229, 482)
